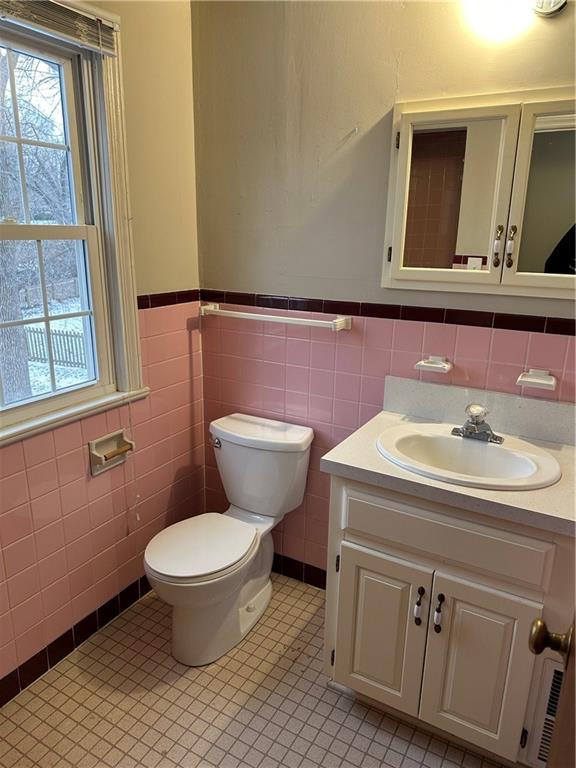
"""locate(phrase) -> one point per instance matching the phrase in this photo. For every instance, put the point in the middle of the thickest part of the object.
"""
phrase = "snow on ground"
(65, 377)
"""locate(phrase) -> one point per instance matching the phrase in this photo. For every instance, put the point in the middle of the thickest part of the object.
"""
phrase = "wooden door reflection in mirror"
(548, 226)
(434, 196)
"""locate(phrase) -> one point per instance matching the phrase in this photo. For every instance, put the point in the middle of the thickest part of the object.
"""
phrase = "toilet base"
(222, 627)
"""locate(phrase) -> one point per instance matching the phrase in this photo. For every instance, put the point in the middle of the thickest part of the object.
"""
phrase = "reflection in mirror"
(548, 228)
(434, 197)
(452, 189)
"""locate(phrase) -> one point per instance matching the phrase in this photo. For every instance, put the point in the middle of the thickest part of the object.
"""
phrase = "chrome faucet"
(476, 426)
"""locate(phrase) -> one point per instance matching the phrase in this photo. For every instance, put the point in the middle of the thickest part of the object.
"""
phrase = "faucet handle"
(476, 413)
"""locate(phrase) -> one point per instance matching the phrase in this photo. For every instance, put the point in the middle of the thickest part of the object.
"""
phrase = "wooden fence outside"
(67, 347)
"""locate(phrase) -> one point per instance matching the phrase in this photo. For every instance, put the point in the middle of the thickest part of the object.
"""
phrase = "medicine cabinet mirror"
(482, 197)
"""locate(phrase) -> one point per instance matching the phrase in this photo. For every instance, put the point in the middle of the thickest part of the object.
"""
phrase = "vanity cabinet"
(481, 195)
(464, 668)
(429, 612)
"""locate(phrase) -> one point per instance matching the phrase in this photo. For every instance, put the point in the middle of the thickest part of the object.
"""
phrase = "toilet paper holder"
(108, 451)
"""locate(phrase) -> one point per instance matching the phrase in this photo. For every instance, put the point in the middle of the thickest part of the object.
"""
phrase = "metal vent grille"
(555, 686)
(542, 728)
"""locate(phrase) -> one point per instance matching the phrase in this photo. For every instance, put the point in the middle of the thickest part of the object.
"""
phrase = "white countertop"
(548, 509)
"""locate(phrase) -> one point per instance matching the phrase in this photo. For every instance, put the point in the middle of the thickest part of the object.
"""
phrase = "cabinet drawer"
(480, 547)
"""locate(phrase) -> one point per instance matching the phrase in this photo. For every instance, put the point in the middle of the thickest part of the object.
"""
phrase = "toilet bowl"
(214, 569)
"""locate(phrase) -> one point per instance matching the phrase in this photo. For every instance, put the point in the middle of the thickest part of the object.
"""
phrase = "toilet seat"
(201, 548)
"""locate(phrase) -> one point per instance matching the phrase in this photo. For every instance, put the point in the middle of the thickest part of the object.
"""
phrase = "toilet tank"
(262, 463)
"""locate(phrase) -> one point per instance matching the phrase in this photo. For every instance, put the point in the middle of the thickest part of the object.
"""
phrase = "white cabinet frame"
(518, 110)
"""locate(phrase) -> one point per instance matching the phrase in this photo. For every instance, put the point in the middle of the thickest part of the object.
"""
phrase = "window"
(66, 277)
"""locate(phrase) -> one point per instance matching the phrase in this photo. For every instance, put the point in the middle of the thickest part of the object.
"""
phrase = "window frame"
(99, 165)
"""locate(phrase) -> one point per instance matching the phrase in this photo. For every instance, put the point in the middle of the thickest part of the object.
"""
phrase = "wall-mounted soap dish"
(537, 378)
(434, 364)
(109, 451)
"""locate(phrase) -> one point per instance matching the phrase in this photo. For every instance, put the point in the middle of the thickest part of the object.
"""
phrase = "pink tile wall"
(334, 382)
(70, 542)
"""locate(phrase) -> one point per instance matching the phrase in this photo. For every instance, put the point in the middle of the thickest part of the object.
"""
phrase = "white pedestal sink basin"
(430, 450)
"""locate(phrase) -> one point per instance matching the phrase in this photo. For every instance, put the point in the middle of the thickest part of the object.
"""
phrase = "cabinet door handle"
(438, 613)
(418, 607)
(510, 246)
(497, 245)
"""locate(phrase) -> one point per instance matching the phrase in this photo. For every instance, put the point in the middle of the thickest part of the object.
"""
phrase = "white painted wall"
(157, 75)
(293, 120)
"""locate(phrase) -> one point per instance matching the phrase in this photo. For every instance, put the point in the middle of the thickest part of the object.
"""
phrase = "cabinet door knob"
(540, 638)
(438, 614)
(418, 607)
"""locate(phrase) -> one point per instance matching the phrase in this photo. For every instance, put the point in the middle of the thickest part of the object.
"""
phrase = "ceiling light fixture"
(549, 7)
(496, 21)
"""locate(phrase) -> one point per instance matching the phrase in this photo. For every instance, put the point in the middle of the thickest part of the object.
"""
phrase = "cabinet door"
(540, 237)
(379, 644)
(452, 196)
(478, 667)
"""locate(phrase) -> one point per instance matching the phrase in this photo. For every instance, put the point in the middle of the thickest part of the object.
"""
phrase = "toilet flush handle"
(216, 443)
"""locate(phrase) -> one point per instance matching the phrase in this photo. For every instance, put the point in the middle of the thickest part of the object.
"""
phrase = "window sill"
(59, 418)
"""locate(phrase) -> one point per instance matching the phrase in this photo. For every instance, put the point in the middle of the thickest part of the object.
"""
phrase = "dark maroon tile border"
(387, 311)
(151, 300)
(41, 662)
(274, 302)
(566, 326)
(534, 323)
(294, 569)
(424, 314)
(469, 317)
(520, 322)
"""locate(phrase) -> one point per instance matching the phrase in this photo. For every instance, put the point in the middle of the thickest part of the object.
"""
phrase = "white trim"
(34, 142)
(119, 239)
(93, 12)
(44, 231)
(45, 318)
(39, 424)
(562, 122)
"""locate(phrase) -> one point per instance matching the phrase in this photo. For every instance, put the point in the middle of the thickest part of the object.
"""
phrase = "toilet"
(214, 569)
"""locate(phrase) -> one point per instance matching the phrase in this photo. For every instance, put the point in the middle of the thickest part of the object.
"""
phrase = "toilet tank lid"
(199, 546)
(266, 434)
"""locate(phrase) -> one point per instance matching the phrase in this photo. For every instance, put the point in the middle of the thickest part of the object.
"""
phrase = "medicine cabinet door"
(540, 235)
(452, 196)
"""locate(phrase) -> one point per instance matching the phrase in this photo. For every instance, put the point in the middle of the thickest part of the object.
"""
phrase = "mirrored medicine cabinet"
(481, 195)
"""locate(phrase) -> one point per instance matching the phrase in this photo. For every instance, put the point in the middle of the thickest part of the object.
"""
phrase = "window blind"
(63, 22)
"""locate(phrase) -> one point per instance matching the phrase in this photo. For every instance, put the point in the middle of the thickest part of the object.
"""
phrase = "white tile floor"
(121, 701)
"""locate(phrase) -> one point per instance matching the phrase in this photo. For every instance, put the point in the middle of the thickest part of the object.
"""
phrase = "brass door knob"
(540, 638)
